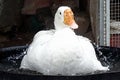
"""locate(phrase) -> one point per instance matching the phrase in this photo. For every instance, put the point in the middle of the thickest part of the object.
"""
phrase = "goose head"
(64, 17)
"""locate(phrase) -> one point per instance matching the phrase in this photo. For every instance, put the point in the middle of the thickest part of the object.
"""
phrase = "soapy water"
(108, 56)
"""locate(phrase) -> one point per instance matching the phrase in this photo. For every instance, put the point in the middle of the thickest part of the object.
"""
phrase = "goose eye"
(60, 13)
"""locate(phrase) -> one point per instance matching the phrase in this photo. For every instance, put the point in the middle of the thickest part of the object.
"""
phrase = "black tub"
(11, 57)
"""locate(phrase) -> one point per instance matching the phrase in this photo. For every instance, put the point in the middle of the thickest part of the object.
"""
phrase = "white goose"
(61, 51)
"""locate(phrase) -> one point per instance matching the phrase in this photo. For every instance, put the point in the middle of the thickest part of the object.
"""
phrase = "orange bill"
(69, 19)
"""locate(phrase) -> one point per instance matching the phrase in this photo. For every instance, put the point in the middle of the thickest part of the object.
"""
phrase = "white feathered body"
(61, 52)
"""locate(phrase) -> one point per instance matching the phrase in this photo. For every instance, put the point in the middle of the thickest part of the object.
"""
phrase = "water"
(108, 56)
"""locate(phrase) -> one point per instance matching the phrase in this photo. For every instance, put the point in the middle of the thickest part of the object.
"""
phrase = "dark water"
(10, 61)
